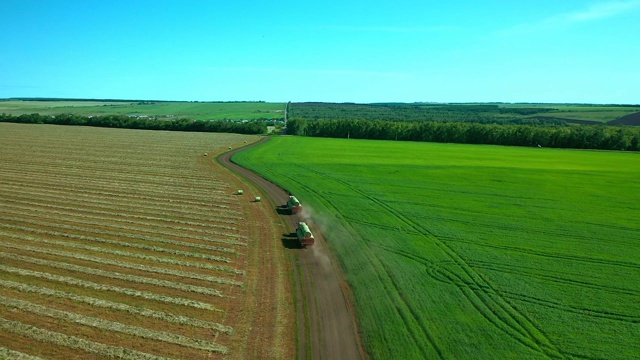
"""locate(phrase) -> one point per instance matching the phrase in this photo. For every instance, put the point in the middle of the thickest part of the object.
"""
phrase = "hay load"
(304, 234)
(293, 205)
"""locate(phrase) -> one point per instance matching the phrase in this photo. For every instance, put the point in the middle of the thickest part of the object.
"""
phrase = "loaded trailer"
(293, 205)
(304, 234)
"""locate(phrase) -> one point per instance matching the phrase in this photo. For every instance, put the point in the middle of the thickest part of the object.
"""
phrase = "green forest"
(468, 124)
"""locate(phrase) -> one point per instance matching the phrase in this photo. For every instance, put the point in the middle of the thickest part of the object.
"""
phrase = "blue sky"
(334, 51)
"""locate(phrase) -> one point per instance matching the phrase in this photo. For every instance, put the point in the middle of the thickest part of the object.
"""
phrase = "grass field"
(583, 112)
(131, 244)
(462, 251)
(586, 112)
(602, 114)
(192, 110)
(473, 112)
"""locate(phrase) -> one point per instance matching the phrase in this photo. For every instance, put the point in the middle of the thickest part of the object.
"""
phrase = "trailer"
(304, 235)
(293, 205)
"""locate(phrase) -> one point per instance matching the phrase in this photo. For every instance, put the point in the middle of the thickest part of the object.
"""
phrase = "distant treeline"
(126, 100)
(121, 100)
(557, 136)
(123, 121)
(71, 99)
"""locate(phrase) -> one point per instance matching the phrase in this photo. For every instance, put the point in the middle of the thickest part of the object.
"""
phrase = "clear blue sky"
(334, 51)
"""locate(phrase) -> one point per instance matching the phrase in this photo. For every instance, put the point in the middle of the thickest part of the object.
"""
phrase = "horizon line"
(43, 98)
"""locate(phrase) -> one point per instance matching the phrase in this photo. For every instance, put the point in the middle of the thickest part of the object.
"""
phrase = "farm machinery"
(304, 234)
(293, 205)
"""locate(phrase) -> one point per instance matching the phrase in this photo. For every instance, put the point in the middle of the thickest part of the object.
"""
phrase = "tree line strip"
(126, 122)
(600, 137)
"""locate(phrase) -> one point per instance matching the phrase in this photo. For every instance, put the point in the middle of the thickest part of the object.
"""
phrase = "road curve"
(329, 328)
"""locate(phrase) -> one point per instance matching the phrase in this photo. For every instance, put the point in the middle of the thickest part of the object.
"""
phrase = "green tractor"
(304, 235)
(293, 205)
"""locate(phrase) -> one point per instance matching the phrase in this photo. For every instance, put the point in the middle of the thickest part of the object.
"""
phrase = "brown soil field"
(134, 244)
(631, 119)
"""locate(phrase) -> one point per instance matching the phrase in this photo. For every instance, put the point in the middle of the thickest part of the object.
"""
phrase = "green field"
(192, 110)
(582, 112)
(602, 114)
(474, 112)
(464, 251)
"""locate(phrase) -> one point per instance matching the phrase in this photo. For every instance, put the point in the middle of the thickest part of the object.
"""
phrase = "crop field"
(474, 112)
(597, 113)
(601, 115)
(131, 244)
(482, 252)
(191, 110)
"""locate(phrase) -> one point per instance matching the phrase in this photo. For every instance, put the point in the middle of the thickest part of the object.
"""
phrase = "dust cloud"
(319, 225)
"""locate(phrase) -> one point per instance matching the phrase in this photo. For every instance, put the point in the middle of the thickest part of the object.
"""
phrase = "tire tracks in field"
(448, 276)
(609, 315)
(556, 279)
(441, 273)
(405, 312)
(487, 299)
(586, 259)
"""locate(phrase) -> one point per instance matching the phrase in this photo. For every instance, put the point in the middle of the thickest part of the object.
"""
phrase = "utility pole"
(286, 111)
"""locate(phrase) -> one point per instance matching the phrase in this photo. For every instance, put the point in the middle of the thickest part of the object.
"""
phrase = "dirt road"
(326, 319)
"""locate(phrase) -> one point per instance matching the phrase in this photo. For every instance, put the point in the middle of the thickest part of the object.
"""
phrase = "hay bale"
(257, 198)
(240, 192)
(205, 154)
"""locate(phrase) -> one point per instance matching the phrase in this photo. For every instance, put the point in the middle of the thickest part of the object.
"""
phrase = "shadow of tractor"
(283, 210)
(290, 241)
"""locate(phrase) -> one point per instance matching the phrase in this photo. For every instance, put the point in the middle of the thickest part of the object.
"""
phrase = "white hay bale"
(257, 198)
(240, 192)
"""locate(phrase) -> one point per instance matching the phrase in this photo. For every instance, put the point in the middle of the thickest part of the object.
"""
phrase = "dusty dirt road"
(327, 327)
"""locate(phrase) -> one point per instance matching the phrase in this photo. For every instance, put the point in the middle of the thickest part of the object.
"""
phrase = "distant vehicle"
(293, 205)
(304, 235)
